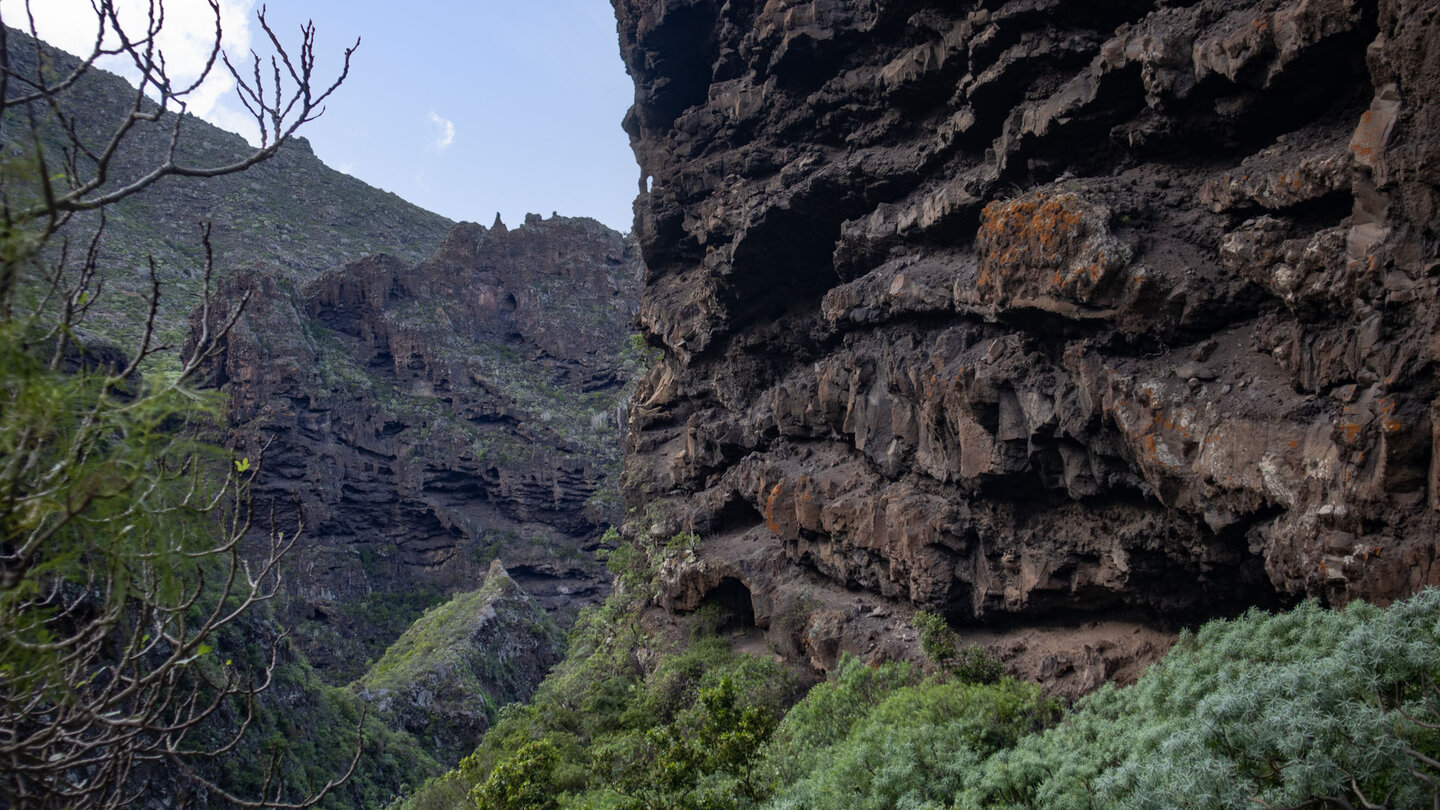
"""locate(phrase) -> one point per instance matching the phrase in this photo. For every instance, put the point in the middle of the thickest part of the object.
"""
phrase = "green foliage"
(521, 782)
(630, 725)
(828, 712)
(1310, 707)
(970, 664)
(1307, 705)
(975, 664)
(682, 541)
(705, 758)
(90, 451)
(936, 638)
(632, 567)
(312, 727)
(917, 746)
(635, 563)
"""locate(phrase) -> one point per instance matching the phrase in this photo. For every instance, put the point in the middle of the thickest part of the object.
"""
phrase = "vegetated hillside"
(1027, 313)
(291, 213)
(446, 678)
(300, 728)
(1058, 321)
(426, 419)
(1311, 707)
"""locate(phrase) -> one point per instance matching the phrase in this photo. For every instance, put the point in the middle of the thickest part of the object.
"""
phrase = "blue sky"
(465, 108)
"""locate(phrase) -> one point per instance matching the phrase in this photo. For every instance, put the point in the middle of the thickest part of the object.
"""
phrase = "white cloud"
(444, 129)
(186, 41)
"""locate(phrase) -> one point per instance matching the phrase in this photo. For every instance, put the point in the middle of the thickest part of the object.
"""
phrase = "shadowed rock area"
(427, 420)
(1036, 312)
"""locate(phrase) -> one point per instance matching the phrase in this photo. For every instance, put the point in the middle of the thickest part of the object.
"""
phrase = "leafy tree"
(828, 712)
(123, 551)
(916, 746)
(722, 736)
(521, 782)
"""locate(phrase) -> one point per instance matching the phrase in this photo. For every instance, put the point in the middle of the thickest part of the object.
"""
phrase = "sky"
(464, 107)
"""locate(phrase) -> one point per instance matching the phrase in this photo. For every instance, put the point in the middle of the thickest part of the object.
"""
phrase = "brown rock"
(1111, 310)
(425, 420)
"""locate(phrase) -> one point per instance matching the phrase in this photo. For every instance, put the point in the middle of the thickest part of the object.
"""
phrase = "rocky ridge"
(425, 420)
(445, 678)
(291, 213)
(1036, 312)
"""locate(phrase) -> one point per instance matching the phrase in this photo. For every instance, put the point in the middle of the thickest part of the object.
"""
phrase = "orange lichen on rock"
(1045, 245)
(771, 521)
(1387, 416)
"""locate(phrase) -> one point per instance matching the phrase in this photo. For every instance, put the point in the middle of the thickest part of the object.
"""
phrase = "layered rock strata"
(1033, 310)
(422, 421)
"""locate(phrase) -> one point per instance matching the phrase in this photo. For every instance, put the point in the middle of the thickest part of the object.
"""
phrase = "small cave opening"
(785, 262)
(733, 602)
(737, 513)
(678, 54)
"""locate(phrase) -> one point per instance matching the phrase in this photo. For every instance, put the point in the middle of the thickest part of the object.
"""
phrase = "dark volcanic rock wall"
(426, 420)
(1028, 308)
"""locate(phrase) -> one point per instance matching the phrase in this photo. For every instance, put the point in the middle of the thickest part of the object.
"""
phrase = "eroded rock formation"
(1034, 309)
(426, 420)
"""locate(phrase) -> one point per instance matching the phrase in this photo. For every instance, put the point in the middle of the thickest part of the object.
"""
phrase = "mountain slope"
(446, 677)
(426, 419)
(291, 213)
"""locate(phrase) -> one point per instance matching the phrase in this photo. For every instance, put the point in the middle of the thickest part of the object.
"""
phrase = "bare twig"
(124, 552)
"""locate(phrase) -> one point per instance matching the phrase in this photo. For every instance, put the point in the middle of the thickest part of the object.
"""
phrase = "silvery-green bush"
(1280, 710)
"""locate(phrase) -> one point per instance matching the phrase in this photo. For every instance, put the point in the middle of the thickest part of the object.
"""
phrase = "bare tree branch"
(126, 542)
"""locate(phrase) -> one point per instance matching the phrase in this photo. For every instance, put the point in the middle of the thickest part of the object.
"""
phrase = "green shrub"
(828, 712)
(523, 781)
(970, 664)
(1283, 710)
(917, 747)
(936, 637)
(975, 664)
(631, 566)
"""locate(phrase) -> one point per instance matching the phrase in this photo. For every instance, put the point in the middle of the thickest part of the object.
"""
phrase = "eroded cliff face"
(1036, 310)
(425, 420)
